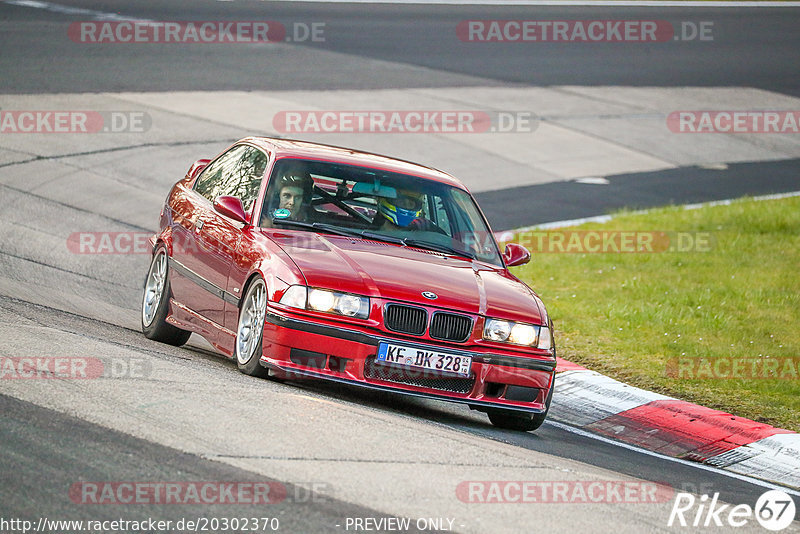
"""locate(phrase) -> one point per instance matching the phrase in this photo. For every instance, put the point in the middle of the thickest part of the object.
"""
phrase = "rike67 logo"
(774, 510)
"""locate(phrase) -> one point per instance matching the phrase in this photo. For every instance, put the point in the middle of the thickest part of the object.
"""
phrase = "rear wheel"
(514, 420)
(155, 304)
(250, 331)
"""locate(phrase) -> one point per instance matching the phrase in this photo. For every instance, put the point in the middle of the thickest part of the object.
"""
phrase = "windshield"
(375, 204)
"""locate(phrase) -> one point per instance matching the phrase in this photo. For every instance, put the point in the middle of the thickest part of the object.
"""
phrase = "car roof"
(307, 150)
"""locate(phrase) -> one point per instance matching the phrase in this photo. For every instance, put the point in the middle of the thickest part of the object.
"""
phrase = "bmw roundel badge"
(430, 295)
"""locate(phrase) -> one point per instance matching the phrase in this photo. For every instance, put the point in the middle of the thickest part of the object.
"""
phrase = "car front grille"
(412, 320)
(419, 378)
(450, 327)
(405, 319)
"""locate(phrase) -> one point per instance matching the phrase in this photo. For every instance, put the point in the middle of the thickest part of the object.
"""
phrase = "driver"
(294, 190)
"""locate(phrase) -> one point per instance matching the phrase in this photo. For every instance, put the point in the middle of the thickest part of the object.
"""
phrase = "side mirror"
(516, 255)
(231, 207)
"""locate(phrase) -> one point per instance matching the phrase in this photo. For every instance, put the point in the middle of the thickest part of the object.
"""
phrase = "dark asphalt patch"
(519, 207)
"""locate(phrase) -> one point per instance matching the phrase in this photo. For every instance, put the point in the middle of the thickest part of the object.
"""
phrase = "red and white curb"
(601, 405)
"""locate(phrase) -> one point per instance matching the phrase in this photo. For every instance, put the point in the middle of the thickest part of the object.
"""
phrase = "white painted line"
(593, 180)
(728, 202)
(696, 465)
(606, 218)
(70, 10)
(557, 3)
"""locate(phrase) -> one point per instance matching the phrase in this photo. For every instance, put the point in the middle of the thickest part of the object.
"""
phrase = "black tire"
(155, 304)
(247, 350)
(514, 420)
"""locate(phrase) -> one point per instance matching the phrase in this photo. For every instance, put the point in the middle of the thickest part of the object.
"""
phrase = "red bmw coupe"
(305, 260)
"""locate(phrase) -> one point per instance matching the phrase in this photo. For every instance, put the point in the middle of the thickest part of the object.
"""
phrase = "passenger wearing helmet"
(404, 213)
(402, 210)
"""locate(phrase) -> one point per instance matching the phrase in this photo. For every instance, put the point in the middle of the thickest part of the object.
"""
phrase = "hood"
(399, 273)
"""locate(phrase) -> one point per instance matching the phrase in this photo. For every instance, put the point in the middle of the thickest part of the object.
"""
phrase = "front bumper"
(302, 348)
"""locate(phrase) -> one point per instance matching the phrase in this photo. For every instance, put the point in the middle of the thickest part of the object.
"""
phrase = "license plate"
(423, 358)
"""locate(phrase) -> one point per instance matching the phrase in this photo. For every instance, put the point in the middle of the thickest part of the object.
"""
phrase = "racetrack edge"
(602, 405)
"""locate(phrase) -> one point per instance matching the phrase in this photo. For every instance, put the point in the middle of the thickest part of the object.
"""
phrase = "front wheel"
(513, 420)
(155, 304)
(250, 331)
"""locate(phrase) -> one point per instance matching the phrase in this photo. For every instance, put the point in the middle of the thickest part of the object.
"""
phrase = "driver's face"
(291, 198)
(407, 201)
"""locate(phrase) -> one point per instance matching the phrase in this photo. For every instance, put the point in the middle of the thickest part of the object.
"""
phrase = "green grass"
(628, 314)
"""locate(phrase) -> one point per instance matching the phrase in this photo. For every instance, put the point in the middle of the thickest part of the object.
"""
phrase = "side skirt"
(220, 337)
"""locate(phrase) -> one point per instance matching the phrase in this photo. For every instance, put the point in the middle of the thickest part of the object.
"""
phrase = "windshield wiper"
(316, 226)
(339, 230)
(367, 234)
(382, 237)
(437, 247)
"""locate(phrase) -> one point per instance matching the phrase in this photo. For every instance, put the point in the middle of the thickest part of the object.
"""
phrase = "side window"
(245, 175)
(436, 211)
(472, 230)
(210, 182)
(237, 173)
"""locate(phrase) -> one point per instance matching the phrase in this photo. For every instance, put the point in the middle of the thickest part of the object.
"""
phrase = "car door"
(211, 238)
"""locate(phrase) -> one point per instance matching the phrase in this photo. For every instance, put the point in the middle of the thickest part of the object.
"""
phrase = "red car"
(305, 260)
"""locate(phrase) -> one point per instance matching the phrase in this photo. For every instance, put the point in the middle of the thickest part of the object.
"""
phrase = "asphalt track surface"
(34, 485)
(752, 47)
(45, 451)
(568, 200)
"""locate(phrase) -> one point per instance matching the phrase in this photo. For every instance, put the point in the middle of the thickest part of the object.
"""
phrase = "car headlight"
(517, 333)
(326, 301)
(353, 306)
(545, 338)
(523, 334)
(295, 297)
(320, 300)
(496, 330)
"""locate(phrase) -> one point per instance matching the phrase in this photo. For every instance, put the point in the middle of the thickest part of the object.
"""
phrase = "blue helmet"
(402, 210)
